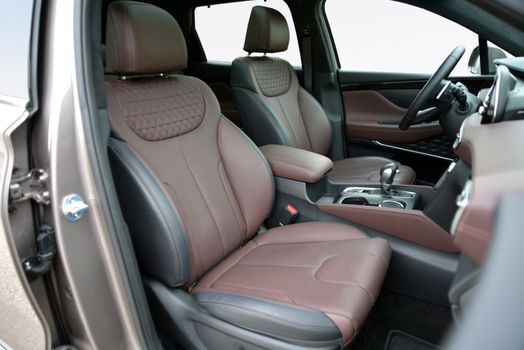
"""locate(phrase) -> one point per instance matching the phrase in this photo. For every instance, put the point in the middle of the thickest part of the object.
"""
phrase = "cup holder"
(374, 197)
(355, 201)
(390, 203)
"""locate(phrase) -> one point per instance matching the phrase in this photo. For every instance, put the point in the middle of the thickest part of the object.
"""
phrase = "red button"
(291, 209)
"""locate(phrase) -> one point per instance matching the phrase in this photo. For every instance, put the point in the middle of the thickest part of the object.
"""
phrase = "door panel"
(371, 116)
(374, 102)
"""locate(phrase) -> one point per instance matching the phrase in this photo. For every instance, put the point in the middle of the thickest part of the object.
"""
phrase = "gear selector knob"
(387, 175)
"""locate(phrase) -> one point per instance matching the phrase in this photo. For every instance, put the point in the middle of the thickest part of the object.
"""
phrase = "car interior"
(253, 237)
(272, 205)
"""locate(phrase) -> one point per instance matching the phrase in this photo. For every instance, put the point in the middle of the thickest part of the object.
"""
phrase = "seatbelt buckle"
(288, 215)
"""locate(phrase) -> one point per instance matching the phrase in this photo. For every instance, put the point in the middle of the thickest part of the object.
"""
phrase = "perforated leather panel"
(272, 75)
(160, 109)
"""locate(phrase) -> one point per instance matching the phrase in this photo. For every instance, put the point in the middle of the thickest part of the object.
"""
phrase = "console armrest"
(296, 164)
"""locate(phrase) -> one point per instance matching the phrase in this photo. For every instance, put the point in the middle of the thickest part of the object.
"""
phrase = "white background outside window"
(222, 30)
(384, 35)
(370, 35)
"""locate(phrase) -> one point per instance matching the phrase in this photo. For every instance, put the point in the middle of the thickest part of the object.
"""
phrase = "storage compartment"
(355, 201)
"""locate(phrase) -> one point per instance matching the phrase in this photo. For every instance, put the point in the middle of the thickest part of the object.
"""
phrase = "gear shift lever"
(387, 175)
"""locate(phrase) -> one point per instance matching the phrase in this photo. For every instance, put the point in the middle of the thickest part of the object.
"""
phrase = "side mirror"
(493, 54)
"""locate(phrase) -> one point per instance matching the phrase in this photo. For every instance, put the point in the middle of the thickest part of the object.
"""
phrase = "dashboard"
(492, 143)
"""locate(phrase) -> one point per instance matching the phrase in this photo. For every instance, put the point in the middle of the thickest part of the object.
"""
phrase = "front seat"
(194, 191)
(275, 109)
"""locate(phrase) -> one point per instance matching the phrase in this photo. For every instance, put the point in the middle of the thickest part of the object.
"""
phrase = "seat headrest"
(143, 39)
(267, 31)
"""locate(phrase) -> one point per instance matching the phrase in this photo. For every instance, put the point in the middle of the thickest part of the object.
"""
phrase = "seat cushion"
(366, 170)
(330, 268)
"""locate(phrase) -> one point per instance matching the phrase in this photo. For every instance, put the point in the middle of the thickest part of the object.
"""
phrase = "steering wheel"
(413, 114)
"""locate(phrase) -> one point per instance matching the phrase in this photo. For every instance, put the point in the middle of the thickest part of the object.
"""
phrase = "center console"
(415, 219)
(419, 214)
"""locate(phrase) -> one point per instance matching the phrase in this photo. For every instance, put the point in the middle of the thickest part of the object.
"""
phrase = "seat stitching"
(325, 242)
(205, 201)
(350, 284)
(302, 267)
(270, 317)
(295, 137)
(214, 285)
(128, 36)
(326, 311)
(115, 49)
(168, 94)
(221, 164)
(211, 285)
(308, 266)
(259, 154)
(304, 124)
(277, 265)
(283, 244)
(312, 266)
(257, 289)
(317, 268)
(354, 284)
(355, 328)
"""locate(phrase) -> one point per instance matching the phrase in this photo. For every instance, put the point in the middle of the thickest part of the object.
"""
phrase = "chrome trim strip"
(463, 200)
(4, 346)
(378, 143)
(374, 191)
(443, 89)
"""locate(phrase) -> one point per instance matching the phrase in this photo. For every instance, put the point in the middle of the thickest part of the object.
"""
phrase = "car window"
(15, 32)
(389, 36)
(222, 30)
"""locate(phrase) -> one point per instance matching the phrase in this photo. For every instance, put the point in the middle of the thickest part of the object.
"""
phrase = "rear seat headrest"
(267, 31)
(143, 39)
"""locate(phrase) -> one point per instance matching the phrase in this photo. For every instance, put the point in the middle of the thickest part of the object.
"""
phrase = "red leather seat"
(194, 190)
(275, 109)
(329, 267)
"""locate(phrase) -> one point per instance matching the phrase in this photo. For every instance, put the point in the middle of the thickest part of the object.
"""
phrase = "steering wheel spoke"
(425, 115)
(415, 114)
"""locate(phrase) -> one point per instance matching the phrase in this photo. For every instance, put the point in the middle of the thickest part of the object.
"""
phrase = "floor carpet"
(397, 312)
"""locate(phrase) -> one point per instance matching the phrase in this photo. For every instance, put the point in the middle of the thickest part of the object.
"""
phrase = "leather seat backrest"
(273, 106)
(192, 186)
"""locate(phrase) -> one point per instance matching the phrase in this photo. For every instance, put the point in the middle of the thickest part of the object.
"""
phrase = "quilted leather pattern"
(273, 75)
(160, 109)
